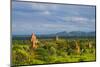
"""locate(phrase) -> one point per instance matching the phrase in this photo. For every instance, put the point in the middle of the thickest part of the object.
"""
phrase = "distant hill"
(70, 34)
(76, 33)
(64, 33)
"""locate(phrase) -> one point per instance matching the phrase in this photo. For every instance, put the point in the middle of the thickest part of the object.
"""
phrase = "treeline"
(52, 37)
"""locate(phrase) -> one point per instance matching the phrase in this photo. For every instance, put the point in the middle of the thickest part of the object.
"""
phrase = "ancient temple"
(57, 37)
(34, 41)
(77, 47)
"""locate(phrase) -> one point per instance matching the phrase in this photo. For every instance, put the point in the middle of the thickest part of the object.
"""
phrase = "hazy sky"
(42, 18)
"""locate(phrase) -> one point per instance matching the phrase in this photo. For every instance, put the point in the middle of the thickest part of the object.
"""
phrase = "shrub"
(61, 44)
(20, 56)
(42, 53)
(52, 51)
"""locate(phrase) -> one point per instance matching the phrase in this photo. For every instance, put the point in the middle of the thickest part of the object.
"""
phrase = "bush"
(41, 53)
(52, 51)
(20, 56)
(61, 44)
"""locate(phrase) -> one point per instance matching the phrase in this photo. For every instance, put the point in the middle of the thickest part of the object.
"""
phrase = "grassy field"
(53, 51)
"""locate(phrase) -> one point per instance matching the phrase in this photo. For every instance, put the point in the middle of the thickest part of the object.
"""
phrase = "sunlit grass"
(51, 51)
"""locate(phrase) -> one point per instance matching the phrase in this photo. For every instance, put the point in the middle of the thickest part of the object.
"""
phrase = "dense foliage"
(53, 51)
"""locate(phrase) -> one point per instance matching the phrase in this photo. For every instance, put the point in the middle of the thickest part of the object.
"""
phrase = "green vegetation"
(53, 51)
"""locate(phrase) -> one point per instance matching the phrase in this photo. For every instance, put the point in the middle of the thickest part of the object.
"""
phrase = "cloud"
(50, 18)
(46, 12)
